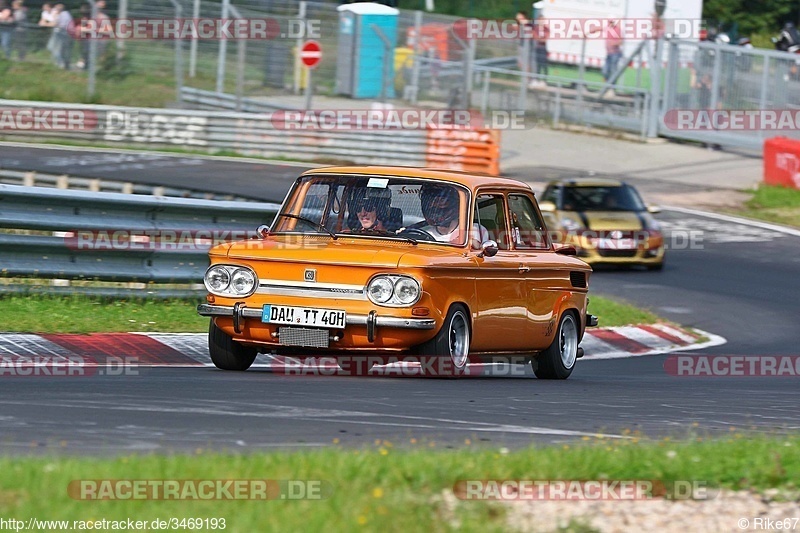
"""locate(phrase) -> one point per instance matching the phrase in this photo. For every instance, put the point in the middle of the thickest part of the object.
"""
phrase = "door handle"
(524, 268)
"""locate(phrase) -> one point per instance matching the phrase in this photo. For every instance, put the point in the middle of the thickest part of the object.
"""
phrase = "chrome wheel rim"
(458, 339)
(568, 341)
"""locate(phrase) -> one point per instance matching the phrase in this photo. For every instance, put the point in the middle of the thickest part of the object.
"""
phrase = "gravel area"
(727, 511)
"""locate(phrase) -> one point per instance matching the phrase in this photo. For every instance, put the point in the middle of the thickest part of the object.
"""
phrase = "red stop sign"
(311, 54)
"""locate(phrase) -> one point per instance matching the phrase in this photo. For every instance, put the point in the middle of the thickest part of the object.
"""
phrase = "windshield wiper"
(317, 224)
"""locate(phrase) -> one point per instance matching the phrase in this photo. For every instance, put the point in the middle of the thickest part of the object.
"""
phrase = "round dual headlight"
(406, 290)
(242, 281)
(230, 280)
(393, 290)
(217, 279)
(380, 290)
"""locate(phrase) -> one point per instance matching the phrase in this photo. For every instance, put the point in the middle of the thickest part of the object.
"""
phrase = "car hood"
(320, 251)
(612, 220)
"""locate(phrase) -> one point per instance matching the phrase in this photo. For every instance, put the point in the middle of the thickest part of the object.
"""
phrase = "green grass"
(396, 486)
(80, 314)
(773, 204)
(616, 313)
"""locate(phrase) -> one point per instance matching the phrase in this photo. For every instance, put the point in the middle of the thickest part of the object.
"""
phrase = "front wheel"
(226, 353)
(558, 360)
(447, 353)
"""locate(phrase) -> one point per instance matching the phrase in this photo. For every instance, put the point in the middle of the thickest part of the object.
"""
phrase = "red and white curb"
(191, 349)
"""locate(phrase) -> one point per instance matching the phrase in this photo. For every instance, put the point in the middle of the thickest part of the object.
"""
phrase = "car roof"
(473, 180)
(588, 182)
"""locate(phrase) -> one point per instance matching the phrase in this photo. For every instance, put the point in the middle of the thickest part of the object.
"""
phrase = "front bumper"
(239, 312)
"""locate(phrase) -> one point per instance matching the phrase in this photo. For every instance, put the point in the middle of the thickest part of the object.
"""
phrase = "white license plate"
(303, 316)
(616, 244)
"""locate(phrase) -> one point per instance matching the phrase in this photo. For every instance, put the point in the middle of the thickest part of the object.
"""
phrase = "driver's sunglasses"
(366, 205)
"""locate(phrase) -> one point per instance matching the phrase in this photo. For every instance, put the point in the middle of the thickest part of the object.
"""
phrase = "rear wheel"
(447, 353)
(226, 353)
(558, 360)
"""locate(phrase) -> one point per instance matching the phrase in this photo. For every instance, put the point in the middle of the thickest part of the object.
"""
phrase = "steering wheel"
(417, 234)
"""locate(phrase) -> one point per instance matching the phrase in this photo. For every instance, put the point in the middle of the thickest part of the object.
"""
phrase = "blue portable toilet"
(359, 60)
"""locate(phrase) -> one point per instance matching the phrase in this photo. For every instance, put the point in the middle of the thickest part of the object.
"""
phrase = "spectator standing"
(541, 34)
(613, 50)
(7, 25)
(65, 26)
(20, 14)
(48, 20)
(101, 34)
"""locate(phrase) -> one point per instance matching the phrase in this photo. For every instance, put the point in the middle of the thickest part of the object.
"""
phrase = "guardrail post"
(92, 66)
(223, 50)
(29, 180)
(655, 89)
(524, 77)
(193, 45)
(62, 182)
(414, 88)
(301, 15)
(178, 53)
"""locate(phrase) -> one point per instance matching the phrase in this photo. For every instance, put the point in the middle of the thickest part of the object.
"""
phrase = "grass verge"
(773, 204)
(386, 489)
(616, 313)
(80, 314)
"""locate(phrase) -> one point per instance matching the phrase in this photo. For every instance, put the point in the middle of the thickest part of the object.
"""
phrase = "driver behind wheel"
(369, 207)
(441, 207)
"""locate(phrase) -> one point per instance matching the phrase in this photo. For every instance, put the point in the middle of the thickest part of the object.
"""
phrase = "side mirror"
(263, 231)
(566, 249)
(488, 249)
(653, 209)
(548, 207)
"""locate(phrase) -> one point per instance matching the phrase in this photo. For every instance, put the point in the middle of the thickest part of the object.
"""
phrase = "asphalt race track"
(733, 280)
(267, 181)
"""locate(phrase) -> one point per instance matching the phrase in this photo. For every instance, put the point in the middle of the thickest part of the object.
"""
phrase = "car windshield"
(376, 207)
(605, 198)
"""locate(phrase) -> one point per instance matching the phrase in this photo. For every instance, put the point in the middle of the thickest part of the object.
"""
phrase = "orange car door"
(500, 289)
(529, 239)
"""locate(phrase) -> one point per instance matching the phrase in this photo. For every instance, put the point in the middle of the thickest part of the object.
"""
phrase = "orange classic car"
(403, 264)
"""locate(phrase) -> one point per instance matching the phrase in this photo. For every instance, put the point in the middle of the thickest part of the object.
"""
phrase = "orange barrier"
(782, 162)
(475, 150)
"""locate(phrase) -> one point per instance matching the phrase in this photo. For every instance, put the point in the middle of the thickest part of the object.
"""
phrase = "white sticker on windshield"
(378, 183)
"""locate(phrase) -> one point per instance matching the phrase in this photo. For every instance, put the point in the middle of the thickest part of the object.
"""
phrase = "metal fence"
(433, 67)
(76, 235)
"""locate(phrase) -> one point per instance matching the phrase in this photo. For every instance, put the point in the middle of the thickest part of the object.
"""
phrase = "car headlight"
(217, 279)
(406, 290)
(380, 290)
(394, 291)
(242, 281)
(230, 280)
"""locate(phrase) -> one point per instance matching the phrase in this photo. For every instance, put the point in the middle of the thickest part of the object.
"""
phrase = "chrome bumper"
(372, 319)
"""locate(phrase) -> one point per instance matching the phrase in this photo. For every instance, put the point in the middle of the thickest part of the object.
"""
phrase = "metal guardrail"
(265, 135)
(51, 233)
(213, 100)
(67, 182)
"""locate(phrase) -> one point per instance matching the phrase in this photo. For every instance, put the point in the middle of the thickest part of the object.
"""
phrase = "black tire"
(558, 360)
(447, 354)
(226, 353)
